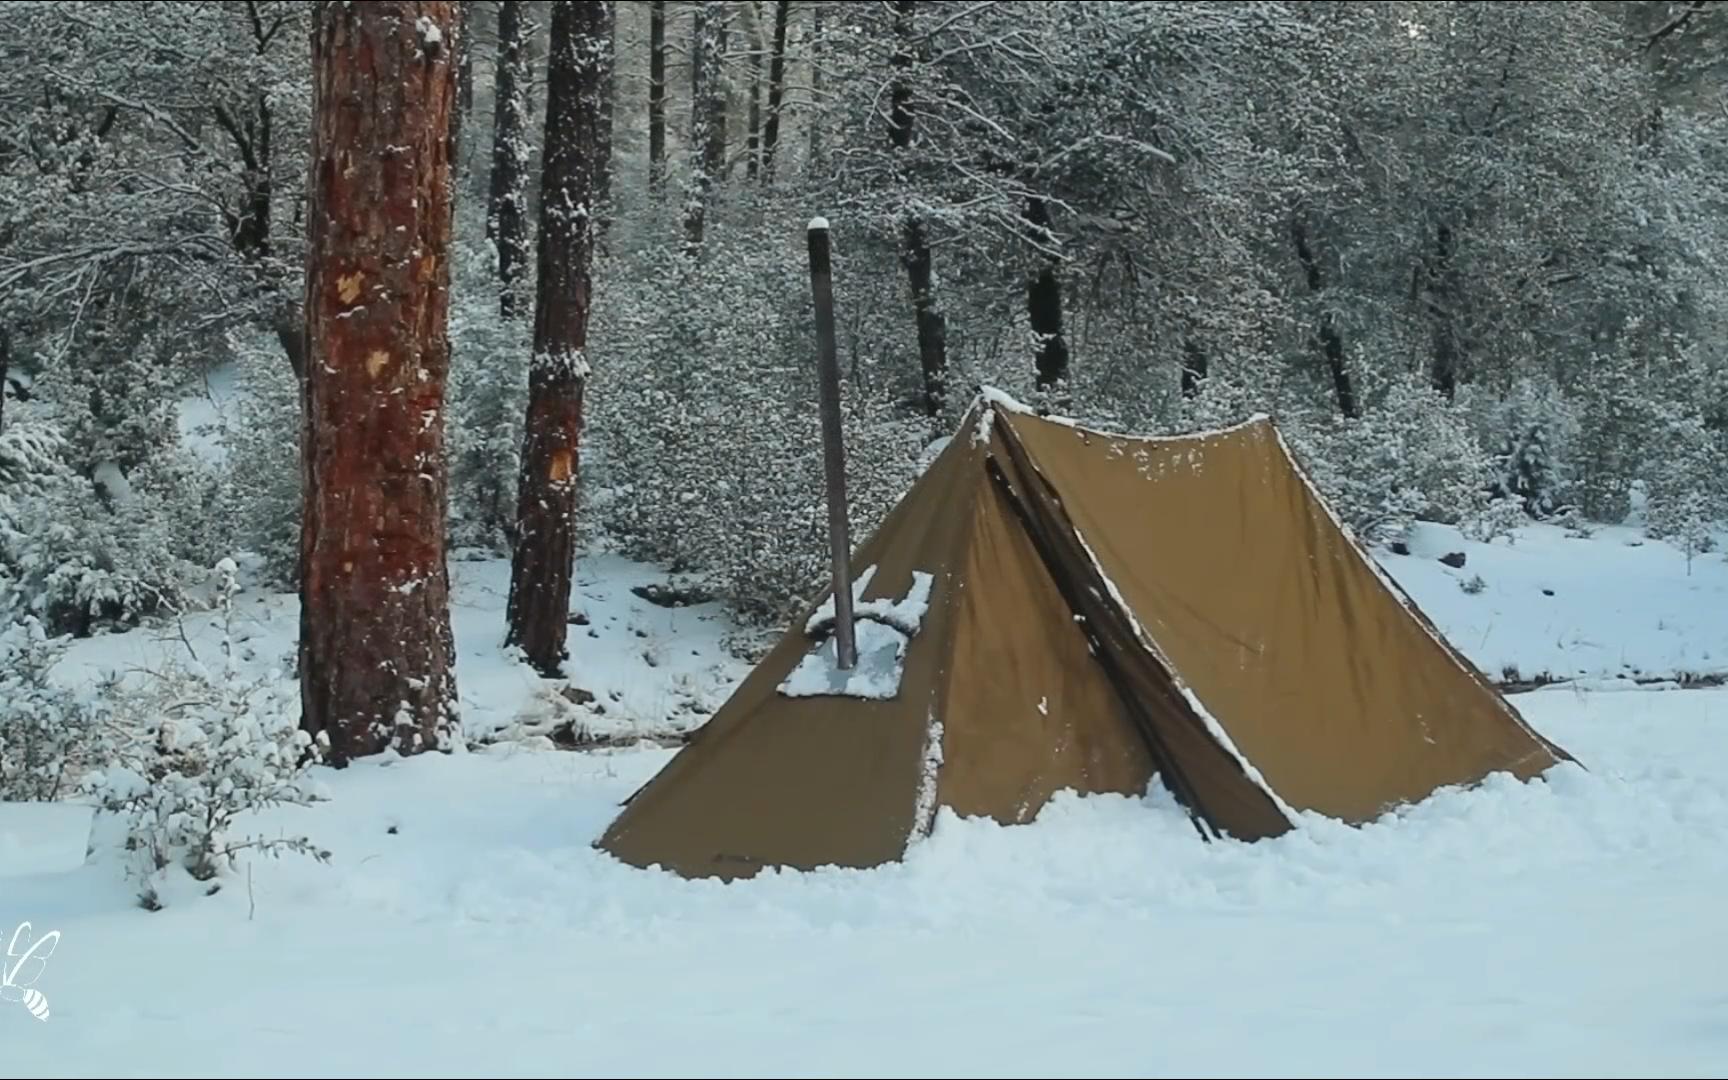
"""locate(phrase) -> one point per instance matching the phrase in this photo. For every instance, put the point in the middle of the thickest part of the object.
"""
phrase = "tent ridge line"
(996, 399)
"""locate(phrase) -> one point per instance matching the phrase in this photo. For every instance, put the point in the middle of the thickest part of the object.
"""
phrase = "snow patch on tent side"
(1213, 727)
(1398, 592)
(924, 811)
(882, 629)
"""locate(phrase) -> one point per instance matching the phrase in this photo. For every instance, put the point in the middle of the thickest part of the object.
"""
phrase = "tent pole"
(833, 453)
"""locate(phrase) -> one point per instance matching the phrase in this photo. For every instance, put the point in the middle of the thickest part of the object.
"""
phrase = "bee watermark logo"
(26, 957)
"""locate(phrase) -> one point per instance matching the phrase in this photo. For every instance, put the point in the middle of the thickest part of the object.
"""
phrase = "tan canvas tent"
(1051, 607)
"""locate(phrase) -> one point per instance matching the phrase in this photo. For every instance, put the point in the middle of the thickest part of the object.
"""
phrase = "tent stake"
(833, 453)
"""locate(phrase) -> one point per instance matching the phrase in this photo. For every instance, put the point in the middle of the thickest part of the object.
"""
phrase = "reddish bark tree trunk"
(376, 654)
(539, 604)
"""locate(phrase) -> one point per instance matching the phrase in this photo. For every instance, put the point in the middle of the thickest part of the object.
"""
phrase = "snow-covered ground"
(1614, 606)
(465, 925)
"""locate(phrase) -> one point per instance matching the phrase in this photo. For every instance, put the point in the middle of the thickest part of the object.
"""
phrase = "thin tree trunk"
(656, 94)
(1331, 338)
(817, 43)
(1194, 368)
(465, 74)
(5, 365)
(707, 117)
(776, 87)
(608, 103)
(753, 122)
(1442, 308)
(540, 578)
(507, 216)
(914, 243)
(1044, 306)
(376, 654)
(464, 79)
(718, 23)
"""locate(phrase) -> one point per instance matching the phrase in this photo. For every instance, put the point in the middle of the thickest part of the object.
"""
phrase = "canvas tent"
(1051, 607)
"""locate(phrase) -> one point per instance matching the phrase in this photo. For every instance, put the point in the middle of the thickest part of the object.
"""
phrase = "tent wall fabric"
(1102, 609)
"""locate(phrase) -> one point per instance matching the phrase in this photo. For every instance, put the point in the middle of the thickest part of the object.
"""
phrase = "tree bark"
(608, 104)
(707, 117)
(5, 367)
(1194, 368)
(753, 120)
(507, 217)
(541, 570)
(1331, 338)
(1443, 301)
(818, 46)
(776, 87)
(464, 80)
(914, 242)
(656, 94)
(1044, 306)
(376, 655)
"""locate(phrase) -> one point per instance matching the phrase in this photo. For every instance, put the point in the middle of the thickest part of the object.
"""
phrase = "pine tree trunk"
(776, 87)
(507, 217)
(914, 244)
(376, 655)
(541, 571)
(656, 94)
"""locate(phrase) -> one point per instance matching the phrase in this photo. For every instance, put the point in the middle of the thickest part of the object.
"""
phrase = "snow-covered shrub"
(81, 565)
(32, 465)
(263, 459)
(67, 557)
(1614, 420)
(47, 732)
(1499, 519)
(1683, 480)
(1410, 456)
(210, 746)
(108, 544)
(488, 398)
(704, 417)
(1531, 432)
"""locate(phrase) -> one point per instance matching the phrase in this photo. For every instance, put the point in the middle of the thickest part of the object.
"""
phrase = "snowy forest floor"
(465, 926)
